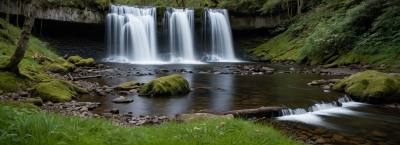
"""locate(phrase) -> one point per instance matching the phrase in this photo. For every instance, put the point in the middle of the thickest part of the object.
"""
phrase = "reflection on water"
(247, 92)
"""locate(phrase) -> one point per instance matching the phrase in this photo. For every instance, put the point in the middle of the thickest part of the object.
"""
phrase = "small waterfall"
(315, 107)
(217, 31)
(131, 33)
(179, 23)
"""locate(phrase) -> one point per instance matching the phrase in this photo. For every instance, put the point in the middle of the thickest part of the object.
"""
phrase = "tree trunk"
(11, 64)
(300, 4)
(8, 12)
(288, 9)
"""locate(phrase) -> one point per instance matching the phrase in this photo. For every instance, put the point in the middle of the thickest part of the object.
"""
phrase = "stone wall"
(68, 14)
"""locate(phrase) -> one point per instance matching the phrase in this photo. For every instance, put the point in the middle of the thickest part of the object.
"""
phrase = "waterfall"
(217, 31)
(131, 33)
(179, 24)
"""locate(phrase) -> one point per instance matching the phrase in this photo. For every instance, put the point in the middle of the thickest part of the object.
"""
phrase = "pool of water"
(248, 92)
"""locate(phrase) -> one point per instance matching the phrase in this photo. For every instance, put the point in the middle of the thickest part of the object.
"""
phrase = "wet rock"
(377, 133)
(122, 99)
(23, 94)
(84, 109)
(327, 87)
(314, 83)
(114, 111)
(102, 94)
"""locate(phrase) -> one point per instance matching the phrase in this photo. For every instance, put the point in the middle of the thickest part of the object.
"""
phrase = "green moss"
(55, 68)
(371, 86)
(167, 86)
(1, 92)
(86, 62)
(10, 82)
(36, 101)
(74, 59)
(333, 65)
(35, 75)
(20, 105)
(128, 85)
(332, 59)
(56, 91)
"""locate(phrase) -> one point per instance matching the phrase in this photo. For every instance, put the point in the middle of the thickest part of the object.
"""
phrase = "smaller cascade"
(315, 107)
(131, 34)
(217, 35)
(179, 27)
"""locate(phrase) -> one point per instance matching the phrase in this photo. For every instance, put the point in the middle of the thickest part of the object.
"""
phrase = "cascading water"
(179, 24)
(315, 107)
(131, 34)
(217, 31)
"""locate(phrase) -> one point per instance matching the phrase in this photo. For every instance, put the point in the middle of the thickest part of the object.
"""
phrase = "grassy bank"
(28, 126)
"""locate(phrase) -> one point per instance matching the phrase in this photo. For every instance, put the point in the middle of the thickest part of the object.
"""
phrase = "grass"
(28, 126)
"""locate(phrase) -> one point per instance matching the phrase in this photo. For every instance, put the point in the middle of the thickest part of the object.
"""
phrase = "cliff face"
(69, 14)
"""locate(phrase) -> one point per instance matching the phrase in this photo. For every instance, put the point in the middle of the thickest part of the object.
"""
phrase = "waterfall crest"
(131, 34)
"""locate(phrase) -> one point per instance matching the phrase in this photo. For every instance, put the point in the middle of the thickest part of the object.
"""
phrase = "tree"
(8, 12)
(300, 4)
(11, 64)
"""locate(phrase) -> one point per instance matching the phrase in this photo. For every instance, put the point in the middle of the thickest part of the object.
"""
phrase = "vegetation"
(167, 86)
(128, 86)
(28, 126)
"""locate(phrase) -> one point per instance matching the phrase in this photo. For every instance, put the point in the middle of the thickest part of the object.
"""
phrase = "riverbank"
(27, 126)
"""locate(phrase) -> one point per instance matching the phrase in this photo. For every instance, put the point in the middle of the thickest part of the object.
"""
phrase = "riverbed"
(225, 92)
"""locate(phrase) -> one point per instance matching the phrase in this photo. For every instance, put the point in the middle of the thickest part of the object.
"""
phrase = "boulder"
(57, 91)
(370, 86)
(74, 59)
(122, 99)
(200, 116)
(86, 62)
(166, 86)
(128, 86)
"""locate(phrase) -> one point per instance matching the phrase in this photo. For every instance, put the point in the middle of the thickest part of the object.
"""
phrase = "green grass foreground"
(28, 126)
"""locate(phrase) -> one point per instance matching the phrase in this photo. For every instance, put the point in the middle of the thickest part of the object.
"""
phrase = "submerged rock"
(167, 86)
(370, 86)
(122, 99)
(128, 86)
(56, 91)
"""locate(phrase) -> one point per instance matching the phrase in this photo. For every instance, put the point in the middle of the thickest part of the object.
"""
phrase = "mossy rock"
(1, 92)
(35, 75)
(86, 62)
(36, 101)
(371, 86)
(167, 86)
(56, 91)
(56, 68)
(333, 65)
(128, 86)
(43, 59)
(74, 59)
(10, 82)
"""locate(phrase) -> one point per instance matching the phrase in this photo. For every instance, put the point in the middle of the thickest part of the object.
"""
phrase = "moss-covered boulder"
(56, 91)
(333, 65)
(128, 86)
(74, 59)
(167, 86)
(36, 101)
(86, 62)
(370, 86)
(55, 68)
(10, 82)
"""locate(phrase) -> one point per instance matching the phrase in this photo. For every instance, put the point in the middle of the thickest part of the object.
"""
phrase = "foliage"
(27, 126)
(384, 36)
(99, 4)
